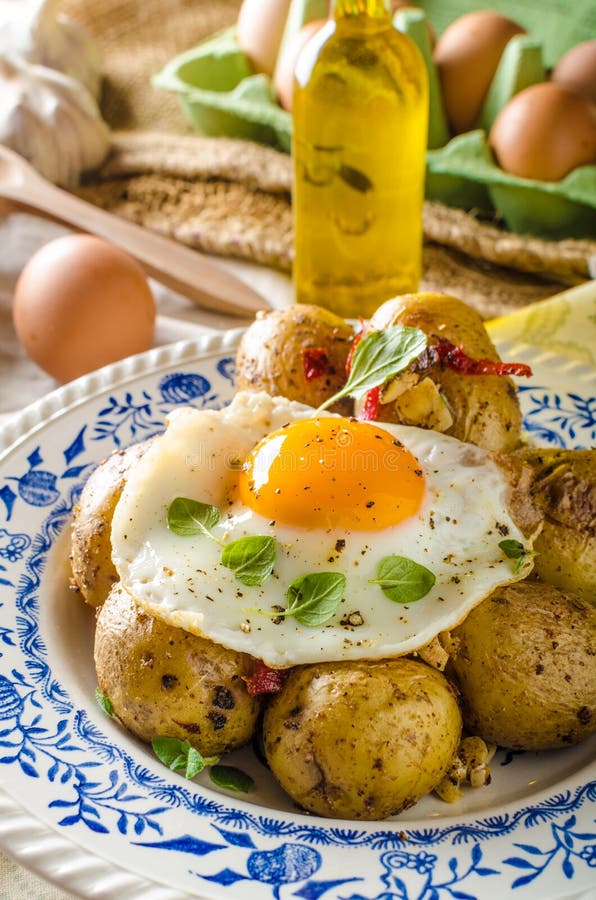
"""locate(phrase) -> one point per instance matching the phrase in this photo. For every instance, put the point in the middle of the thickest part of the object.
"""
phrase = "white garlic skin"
(37, 32)
(51, 120)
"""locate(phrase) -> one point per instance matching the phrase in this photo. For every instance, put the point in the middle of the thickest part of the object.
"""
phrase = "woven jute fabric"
(233, 198)
(137, 37)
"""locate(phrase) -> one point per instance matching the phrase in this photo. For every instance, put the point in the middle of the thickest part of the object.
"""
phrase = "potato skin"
(563, 488)
(525, 665)
(92, 570)
(361, 740)
(165, 682)
(270, 355)
(485, 408)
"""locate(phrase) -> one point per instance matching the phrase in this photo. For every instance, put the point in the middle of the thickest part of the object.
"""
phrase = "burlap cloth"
(232, 198)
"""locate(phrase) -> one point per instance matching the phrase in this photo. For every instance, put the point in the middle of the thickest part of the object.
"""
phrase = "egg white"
(455, 534)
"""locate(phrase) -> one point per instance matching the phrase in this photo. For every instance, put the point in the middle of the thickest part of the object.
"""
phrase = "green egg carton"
(549, 209)
(448, 181)
(222, 96)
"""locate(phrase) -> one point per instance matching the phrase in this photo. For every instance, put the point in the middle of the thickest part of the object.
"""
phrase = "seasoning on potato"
(299, 353)
(165, 682)
(93, 572)
(525, 666)
(563, 487)
(362, 740)
(480, 409)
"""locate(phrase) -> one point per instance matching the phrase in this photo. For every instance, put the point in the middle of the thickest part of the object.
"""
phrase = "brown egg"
(283, 79)
(467, 55)
(81, 303)
(576, 70)
(545, 132)
(259, 29)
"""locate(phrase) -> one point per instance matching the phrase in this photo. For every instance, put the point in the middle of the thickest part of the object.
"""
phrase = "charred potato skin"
(92, 571)
(485, 408)
(563, 488)
(525, 511)
(525, 666)
(165, 682)
(361, 740)
(270, 359)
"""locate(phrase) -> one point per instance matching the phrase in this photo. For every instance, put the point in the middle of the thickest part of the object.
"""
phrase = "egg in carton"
(462, 171)
(223, 95)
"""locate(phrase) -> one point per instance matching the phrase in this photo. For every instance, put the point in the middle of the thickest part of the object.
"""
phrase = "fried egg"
(337, 495)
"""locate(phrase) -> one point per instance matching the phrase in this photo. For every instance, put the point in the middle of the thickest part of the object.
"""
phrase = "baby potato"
(481, 409)
(525, 665)
(361, 740)
(563, 487)
(165, 682)
(271, 356)
(93, 572)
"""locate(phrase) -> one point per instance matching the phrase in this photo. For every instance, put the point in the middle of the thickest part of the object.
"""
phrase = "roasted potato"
(165, 682)
(92, 570)
(271, 358)
(481, 409)
(361, 740)
(563, 488)
(525, 664)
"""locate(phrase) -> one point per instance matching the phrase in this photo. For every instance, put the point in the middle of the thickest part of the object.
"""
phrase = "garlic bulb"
(35, 31)
(51, 120)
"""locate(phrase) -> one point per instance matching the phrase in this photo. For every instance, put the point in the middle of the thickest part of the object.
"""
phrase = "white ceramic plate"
(90, 808)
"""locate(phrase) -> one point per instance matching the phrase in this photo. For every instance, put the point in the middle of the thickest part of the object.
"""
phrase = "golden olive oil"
(360, 119)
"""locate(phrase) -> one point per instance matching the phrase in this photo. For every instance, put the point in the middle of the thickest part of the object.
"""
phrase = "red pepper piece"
(315, 362)
(370, 408)
(357, 338)
(265, 680)
(455, 358)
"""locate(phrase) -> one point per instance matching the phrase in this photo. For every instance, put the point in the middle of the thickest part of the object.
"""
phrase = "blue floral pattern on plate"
(92, 781)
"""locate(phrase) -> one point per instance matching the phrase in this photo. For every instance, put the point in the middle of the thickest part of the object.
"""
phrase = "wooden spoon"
(186, 271)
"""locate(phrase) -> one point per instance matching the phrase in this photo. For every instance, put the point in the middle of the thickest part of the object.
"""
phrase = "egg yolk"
(332, 472)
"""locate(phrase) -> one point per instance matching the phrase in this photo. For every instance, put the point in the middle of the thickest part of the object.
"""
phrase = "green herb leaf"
(231, 778)
(516, 550)
(402, 580)
(379, 356)
(179, 756)
(250, 558)
(313, 599)
(188, 518)
(104, 702)
(355, 178)
(512, 549)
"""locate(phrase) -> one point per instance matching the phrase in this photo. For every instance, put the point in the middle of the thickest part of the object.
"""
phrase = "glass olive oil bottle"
(360, 118)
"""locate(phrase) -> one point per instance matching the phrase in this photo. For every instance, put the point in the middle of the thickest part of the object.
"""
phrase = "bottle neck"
(373, 9)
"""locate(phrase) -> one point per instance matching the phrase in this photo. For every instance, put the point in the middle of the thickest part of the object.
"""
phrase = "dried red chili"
(265, 680)
(315, 363)
(456, 358)
(370, 407)
(357, 338)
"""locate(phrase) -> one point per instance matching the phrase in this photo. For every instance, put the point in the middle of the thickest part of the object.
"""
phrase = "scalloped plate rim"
(32, 419)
